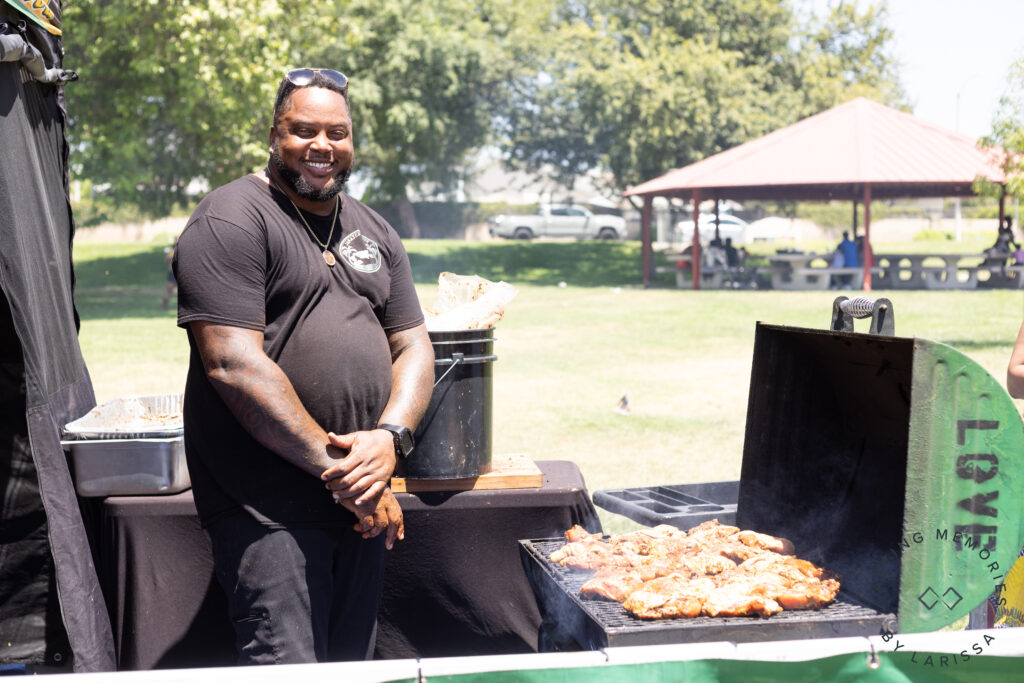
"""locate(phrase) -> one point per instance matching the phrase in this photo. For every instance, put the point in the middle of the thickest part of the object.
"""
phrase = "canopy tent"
(856, 151)
(51, 607)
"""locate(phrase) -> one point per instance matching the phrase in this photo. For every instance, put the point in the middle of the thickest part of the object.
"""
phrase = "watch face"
(405, 442)
(403, 439)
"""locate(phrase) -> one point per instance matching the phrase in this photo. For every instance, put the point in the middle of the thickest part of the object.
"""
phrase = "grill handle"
(844, 310)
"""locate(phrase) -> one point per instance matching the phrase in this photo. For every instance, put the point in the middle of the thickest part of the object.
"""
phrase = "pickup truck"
(559, 220)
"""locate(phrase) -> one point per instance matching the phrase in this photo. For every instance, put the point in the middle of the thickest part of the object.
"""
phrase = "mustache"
(298, 184)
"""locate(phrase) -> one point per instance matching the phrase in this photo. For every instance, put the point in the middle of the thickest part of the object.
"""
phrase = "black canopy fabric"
(50, 601)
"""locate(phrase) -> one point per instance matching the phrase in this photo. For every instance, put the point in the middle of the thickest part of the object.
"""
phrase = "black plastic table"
(454, 586)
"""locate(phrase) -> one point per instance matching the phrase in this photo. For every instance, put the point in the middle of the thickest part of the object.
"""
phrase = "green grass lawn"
(566, 354)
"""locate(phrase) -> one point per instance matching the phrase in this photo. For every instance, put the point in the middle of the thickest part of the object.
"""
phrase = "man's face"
(311, 145)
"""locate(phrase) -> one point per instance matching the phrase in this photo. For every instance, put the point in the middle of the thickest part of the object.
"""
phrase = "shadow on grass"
(579, 264)
(132, 285)
(128, 286)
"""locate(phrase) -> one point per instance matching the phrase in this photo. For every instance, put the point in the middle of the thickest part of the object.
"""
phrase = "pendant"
(329, 258)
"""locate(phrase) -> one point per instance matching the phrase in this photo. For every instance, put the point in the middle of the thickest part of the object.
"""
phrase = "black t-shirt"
(246, 260)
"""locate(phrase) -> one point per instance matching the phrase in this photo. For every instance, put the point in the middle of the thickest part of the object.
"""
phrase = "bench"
(815, 278)
(711, 277)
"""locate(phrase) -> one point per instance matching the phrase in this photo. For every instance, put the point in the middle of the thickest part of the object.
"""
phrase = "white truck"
(559, 220)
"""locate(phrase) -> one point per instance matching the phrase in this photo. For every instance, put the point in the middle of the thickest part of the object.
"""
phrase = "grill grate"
(599, 623)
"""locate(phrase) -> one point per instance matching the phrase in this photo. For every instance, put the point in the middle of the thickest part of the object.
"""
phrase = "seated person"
(732, 257)
(838, 261)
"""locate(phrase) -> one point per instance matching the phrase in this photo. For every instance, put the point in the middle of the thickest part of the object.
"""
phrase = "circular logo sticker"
(360, 252)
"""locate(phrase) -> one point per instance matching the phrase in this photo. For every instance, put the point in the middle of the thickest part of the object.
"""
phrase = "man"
(306, 335)
(851, 259)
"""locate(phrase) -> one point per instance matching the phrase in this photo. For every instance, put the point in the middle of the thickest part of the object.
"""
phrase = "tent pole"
(854, 219)
(869, 256)
(695, 255)
(645, 240)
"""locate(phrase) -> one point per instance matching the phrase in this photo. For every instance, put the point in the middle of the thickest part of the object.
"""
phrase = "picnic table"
(811, 271)
(929, 271)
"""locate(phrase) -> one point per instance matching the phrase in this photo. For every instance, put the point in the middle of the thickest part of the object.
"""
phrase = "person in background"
(732, 257)
(1004, 244)
(310, 368)
(851, 258)
(838, 261)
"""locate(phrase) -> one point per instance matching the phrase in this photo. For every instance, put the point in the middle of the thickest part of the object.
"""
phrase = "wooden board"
(507, 472)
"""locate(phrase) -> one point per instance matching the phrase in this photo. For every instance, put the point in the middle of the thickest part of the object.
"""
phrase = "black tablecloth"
(455, 586)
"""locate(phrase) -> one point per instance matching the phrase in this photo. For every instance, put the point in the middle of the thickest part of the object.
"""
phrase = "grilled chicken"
(714, 569)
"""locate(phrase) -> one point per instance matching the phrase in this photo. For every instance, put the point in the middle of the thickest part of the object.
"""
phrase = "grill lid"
(894, 461)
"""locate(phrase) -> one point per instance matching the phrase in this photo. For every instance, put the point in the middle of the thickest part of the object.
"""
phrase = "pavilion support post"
(695, 255)
(645, 240)
(718, 220)
(854, 219)
(869, 256)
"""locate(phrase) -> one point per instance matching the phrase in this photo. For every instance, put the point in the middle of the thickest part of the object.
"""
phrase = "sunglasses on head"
(303, 77)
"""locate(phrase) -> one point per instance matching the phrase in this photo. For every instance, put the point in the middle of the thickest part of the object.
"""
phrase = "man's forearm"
(262, 399)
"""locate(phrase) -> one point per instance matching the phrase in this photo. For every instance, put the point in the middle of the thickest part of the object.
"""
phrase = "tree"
(847, 54)
(425, 81)
(643, 86)
(1008, 134)
(169, 93)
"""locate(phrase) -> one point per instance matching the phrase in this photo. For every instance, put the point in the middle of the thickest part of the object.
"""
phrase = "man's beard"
(296, 182)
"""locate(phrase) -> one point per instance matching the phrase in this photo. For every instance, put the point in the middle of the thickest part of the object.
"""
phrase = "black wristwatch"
(404, 442)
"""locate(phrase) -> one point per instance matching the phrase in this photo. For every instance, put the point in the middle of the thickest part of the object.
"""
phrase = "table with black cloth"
(455, 586)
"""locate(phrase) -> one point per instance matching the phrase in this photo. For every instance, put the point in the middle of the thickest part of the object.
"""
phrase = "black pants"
(298, 595)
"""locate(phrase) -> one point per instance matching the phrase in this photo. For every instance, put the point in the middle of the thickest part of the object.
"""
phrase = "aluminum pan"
(130, 417)
(128, 467)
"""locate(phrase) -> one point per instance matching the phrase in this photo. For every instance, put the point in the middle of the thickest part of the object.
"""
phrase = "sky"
(954, 57)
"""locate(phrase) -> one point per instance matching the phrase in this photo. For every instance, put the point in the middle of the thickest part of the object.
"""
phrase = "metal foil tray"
(131, 417)
(682, 505)
(595, 624)
(128, 467)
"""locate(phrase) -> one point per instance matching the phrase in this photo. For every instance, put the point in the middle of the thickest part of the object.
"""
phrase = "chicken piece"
(669, 597)
(738, 552)
(711, 530)
(577, 533)
(782, 546)
(707, 564)
(739, 598)
(612, 584)
(587, 554)
(810, 595)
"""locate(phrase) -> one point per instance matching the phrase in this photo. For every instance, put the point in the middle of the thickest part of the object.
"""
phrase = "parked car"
(559, 220)
(729, 226)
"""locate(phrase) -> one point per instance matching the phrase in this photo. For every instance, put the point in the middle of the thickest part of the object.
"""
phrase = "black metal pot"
(453, 441)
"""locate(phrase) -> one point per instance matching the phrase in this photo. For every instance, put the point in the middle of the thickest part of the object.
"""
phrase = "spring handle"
(880, 311)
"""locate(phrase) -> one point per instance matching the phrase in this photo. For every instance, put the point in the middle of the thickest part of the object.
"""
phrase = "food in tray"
(131, 415)
(714, 569)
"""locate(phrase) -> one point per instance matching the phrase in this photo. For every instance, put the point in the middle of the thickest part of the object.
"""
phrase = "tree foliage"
(1008, 134)
(169, 93)
(643, 86)
(174, 92)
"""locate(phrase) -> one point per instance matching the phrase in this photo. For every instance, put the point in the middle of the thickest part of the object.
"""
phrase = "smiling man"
(310, 367)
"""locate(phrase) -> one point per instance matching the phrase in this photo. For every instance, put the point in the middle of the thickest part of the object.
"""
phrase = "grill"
(569, 622)
(892, 461)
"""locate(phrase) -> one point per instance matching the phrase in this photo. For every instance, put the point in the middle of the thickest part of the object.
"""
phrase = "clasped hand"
(359, 481)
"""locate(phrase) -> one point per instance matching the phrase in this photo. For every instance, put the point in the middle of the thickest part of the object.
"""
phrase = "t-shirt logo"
(360, 252)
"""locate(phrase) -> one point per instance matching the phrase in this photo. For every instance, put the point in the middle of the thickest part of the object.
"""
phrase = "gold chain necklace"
(328, 255)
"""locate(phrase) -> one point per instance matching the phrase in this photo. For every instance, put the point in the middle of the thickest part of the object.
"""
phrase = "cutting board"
(507, 472)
